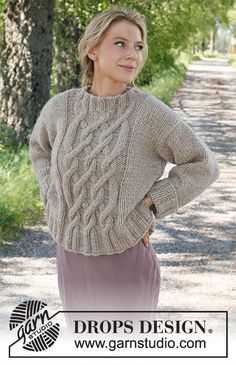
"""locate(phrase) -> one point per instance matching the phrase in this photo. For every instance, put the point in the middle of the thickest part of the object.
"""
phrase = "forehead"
(124, 29)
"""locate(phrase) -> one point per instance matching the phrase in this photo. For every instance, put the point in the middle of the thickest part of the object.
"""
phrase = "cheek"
(115, 53)
(140, 57)
(110, 56)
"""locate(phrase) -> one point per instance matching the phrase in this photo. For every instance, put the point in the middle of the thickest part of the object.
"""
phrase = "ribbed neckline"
(106, 103)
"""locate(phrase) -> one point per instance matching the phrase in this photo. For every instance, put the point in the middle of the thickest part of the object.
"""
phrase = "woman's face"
(122, 45)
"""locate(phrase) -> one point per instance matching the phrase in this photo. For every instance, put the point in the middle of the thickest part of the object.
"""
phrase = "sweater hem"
(133, 230)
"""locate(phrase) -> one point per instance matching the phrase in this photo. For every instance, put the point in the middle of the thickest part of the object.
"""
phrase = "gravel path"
(196, 245)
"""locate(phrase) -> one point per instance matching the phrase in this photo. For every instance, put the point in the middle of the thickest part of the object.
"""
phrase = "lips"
(128, 66)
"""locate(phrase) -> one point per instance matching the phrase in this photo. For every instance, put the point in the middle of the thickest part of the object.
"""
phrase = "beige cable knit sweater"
(96, 157)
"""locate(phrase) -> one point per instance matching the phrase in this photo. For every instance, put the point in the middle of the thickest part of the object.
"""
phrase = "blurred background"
(37, 41)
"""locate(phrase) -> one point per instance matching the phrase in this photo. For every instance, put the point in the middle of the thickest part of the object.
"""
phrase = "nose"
(131, 53)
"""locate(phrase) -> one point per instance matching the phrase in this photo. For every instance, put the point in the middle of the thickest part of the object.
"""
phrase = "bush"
(20, 202)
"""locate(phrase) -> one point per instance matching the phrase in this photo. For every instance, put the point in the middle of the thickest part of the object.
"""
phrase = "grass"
(232, 60)
(20, 204)
(212, 55)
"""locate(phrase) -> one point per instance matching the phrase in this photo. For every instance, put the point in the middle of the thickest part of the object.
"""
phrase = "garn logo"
(34, 325)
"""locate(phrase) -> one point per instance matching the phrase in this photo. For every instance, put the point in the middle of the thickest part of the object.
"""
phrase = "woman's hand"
(148, 201)
(146, 239)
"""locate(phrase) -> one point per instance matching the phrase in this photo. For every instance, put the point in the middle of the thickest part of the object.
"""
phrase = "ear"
(91, 54)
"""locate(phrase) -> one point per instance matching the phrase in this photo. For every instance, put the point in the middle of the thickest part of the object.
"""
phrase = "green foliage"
(8, 137)
(212, 55)
(19, 193)
(196, 57)
(167, 82)
(232, 19)
(232, 60)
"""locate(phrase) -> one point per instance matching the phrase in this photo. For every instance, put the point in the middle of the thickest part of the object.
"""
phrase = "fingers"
(146, 239)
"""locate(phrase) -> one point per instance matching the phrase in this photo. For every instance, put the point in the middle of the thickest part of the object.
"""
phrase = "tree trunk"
(203, 45)
(212, 40)
(26, 62)
(67, 67)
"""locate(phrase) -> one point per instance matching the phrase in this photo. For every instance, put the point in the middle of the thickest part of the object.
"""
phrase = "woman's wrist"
(150, 203)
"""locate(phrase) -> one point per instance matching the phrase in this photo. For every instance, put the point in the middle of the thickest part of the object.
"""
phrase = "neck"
(107, 91)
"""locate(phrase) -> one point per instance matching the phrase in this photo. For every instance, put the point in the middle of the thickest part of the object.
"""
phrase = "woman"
(98, 153)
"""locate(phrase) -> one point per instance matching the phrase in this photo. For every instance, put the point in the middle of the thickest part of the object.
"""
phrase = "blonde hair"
(96, 30)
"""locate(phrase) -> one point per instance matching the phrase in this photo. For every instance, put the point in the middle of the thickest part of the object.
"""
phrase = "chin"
(126, 81)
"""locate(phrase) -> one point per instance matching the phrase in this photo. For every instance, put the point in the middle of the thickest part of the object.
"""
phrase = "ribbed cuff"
(164, 197)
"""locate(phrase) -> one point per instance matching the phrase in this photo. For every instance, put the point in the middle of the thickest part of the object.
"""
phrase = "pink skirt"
(129, 280)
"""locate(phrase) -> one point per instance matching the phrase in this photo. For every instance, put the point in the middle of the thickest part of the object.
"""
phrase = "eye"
(140, 46)
(120, 42)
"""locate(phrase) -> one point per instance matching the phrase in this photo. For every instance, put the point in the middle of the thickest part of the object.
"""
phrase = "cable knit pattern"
(97, 157)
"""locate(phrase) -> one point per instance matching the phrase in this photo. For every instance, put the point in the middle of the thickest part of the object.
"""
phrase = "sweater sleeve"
(40, 144)
(196, 166)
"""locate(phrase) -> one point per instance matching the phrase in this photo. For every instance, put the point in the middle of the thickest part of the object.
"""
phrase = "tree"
(67, 32)
(26, 62)
(71, 18)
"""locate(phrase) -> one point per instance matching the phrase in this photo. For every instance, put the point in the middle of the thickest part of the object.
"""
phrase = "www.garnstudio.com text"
(162, 343)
